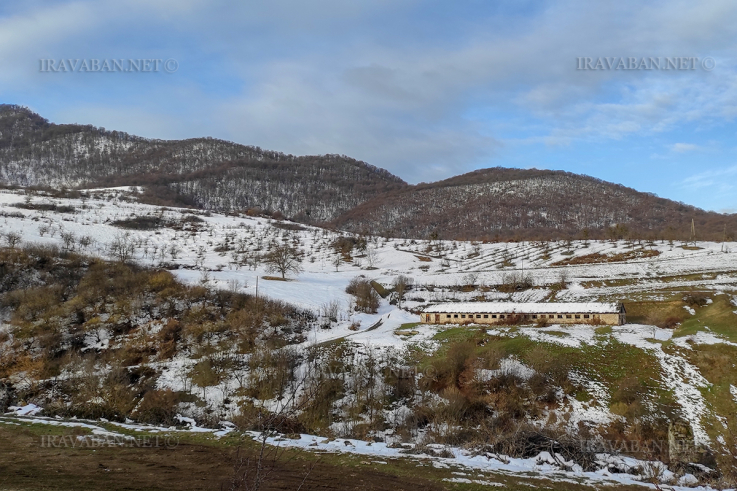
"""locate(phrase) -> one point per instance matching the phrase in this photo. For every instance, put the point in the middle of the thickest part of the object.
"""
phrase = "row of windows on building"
(525, 316)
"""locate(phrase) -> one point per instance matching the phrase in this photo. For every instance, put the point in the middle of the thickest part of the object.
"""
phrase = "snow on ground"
(205, 254)
(27, 410)
(462, 262)
(701, 337)
(543, 466)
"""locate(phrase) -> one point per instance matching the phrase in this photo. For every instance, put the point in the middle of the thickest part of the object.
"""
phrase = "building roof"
(526, 308)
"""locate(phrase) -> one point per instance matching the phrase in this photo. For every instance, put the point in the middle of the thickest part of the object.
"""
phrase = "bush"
(158, 407)
(696, 299)
(140, 223)
(367, 300)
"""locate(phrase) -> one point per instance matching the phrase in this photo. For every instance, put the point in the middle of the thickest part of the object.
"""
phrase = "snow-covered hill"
(223, 251)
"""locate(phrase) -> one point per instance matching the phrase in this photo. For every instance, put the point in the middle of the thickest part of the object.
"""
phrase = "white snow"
(27, 410)
(199, 259)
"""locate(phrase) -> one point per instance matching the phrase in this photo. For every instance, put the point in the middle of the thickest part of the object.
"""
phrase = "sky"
(424, 89)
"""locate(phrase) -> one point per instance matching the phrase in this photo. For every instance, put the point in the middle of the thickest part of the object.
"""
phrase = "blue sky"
(425, 89)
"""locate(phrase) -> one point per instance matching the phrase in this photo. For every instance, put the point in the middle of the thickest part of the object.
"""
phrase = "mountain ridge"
(335, 190)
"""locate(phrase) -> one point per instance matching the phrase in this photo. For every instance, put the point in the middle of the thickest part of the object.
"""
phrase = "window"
(493, 316)
(448, 316)
(586, 316)
(534, 316)
(463, 316)
(551, 316)
(478, 316)
(560, 316)
(456, 316)
(569, 316)
(486, 316)
(501, 316)
(578, 316)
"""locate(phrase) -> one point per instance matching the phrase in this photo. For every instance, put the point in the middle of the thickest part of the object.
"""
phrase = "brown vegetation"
(598, 257)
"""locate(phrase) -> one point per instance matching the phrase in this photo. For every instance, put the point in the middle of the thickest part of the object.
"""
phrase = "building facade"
(613, 314)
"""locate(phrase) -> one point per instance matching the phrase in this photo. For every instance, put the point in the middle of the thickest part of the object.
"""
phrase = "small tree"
(372, 257)
(122, 248)
(13, 239)
(284, 259)
(67, 239)
(401, 285)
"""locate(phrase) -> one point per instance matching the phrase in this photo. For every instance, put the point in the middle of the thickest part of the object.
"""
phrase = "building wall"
(613, 319)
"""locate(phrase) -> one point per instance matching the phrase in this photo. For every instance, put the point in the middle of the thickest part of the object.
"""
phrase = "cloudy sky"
(425, 89)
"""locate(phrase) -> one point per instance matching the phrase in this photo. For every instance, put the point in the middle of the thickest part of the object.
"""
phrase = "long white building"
(504, 312)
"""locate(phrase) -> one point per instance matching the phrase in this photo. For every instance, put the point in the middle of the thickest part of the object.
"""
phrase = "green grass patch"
(652, 312)
(719, 317)
(408, 325)
(718, 364)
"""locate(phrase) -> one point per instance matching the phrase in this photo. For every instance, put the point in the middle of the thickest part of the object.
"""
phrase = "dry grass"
(597, 257)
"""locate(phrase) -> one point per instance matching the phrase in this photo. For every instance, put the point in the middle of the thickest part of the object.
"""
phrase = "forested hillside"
(492, 204)
(502, 203)
(205, 172)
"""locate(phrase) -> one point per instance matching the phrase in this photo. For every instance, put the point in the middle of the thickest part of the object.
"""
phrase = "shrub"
(367, 300)
(696, 299)
(158, 407)
(147, 222)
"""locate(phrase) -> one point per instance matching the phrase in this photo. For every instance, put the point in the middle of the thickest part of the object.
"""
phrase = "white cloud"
(684, 147)
(328, 76)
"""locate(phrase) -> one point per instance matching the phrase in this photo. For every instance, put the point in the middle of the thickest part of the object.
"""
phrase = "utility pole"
(693, 232)
(724, 239)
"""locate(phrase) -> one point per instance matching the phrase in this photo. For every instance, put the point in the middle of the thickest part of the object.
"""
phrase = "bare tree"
(372, 257)
(174, 251)
(85, 241)
(234, 285)
(122, 247)
(13, 239)
(284, 259)
(401, 285)
(67, 239)
(253, 472)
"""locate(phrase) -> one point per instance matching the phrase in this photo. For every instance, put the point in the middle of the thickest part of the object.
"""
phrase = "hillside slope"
(501, 203)
(205, 172)
(497, 203)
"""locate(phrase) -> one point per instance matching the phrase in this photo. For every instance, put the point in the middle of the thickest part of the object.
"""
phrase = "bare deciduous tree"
(283, 259)
(13, 239)
(372, 257)
(401, 285)
(122, 247)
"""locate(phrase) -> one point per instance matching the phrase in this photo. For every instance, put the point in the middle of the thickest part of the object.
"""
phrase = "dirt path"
(25, 464)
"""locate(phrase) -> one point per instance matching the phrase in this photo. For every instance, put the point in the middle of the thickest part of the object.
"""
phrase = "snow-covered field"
(221, 251)
(437, 268)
